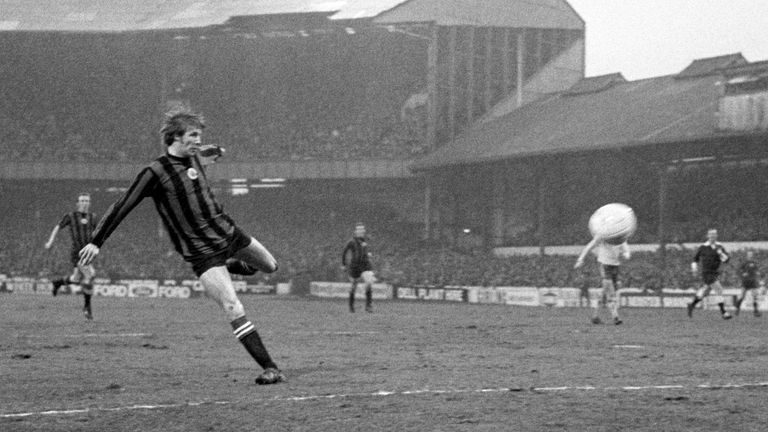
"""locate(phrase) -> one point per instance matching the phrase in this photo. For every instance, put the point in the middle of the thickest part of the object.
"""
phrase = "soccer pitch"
(174, 365)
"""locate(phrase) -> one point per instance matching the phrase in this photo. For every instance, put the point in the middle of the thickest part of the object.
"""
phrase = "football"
(614, 223)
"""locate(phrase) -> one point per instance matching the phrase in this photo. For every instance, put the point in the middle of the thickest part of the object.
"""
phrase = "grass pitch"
(174, 365)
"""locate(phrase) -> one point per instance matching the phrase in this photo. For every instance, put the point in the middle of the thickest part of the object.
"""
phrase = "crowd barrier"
(513, 296)
(532, 296)
(152, 288)
(379, 291)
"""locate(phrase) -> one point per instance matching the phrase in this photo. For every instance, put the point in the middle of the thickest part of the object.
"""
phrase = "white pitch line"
(383, 393)
(87, 335)
(114, 335)
(343, 333)
(629, 346)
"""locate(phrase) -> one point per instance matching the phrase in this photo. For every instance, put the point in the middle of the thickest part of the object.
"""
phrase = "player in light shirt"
(609, 257)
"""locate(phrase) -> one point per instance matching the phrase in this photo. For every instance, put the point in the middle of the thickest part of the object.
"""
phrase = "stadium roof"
(137, 15)
(620, 114)
(487, 13)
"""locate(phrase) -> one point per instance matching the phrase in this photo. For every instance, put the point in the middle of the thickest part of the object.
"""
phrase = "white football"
(614, 223)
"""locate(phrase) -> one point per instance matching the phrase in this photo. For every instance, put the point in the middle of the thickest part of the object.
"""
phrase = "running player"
(81, 224)
(356, 260)
(206, 237)
(750, 283)
(710, 255)
(609, 257)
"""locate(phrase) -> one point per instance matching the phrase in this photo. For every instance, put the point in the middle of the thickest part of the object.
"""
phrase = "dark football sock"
(352, 301)
(722, 307)
(368, 298)
(696, 300)
(249, 337)
(57, 284)
(755, 305)
(87, 299)
(61, 281)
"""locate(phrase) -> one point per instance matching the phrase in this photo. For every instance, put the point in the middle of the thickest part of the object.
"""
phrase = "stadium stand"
(289, 227)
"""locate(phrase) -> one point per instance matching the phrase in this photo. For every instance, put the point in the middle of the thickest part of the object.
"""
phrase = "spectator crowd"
(307, 236)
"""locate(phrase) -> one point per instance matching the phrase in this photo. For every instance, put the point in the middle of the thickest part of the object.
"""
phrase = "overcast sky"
(646, 38)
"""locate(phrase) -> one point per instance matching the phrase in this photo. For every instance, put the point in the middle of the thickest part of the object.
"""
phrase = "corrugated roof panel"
(662, 109)
(489, 13)
(710, 65)
(120, 15)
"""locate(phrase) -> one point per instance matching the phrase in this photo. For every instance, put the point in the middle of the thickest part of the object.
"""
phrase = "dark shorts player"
(356, 261)
(751, 284)
(80, 224)
(201, 232)
(708, 257)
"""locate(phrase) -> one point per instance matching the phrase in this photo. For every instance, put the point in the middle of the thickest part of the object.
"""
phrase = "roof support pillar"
(432, 92)
(663, 182)
(470, 55)
(541, 208)
(452, 33)
(520, 66)
(506, 78)
(498, 213)
(539, 60)
(487, 79)
(427, 207)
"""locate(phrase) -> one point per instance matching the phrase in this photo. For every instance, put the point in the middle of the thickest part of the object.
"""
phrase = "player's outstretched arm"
(87, 254)
(141, 187)
(210, 153)
(587, 248)
(49, 243)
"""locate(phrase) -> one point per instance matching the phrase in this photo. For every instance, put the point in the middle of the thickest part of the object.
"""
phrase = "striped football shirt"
(196, 223)
(80, 227)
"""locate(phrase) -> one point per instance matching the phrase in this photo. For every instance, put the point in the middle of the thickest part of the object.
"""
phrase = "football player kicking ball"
(609, 257)
(710, 255)
(201, 232)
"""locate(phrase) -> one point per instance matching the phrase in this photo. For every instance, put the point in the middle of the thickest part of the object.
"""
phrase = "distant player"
(205, 236)
(356, 260)
(609, 257)
(81, 224)
(709, 256)
(750, 283)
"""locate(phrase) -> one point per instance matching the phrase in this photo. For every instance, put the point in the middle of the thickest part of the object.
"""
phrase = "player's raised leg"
(58, 283)
(218, 286)
(252, 258)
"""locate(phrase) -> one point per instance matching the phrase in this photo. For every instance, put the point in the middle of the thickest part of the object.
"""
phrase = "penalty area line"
(385, 393)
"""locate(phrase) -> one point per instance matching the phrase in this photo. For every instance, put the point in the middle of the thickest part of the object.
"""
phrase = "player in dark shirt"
(750, 283)
(81, 224)
(709, 256)
(201, 232)
(356, 260)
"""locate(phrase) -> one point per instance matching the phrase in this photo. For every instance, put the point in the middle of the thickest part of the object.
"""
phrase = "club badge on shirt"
(192, 174)
(84, 221)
